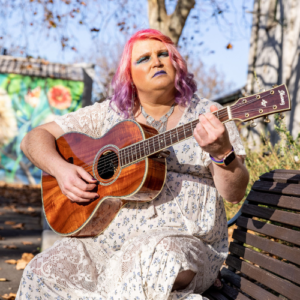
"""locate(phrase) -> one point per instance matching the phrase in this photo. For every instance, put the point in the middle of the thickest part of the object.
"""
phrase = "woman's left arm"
(231, 181)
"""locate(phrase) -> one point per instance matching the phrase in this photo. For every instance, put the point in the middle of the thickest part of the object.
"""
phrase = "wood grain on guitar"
(127, 164)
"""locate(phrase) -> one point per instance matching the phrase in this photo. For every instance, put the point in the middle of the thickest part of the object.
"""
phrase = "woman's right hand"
(75, 183)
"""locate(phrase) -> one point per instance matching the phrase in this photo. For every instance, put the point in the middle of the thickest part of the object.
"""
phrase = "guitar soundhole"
(107, 164)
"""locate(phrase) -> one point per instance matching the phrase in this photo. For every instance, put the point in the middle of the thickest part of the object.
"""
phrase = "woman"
(172, 247)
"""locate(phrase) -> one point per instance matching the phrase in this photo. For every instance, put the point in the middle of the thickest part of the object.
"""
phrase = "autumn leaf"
(10, 296)
(3, 279)
(229, 46)
(10, 247)
(26, 243)
(11, 261)
(23, 262)
(9, 222)
(18, 226)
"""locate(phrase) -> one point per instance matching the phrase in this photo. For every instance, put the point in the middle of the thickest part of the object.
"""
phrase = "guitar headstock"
(262, 104)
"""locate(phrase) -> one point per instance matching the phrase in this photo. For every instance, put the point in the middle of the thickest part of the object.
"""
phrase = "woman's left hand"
(212, 135)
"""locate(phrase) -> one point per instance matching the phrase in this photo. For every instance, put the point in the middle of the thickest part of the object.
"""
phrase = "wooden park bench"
(264, 259)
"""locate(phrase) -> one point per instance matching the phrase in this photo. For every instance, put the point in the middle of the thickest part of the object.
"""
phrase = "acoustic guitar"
(129, 163)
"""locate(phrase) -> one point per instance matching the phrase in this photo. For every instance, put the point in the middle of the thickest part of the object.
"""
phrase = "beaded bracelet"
(220, 162)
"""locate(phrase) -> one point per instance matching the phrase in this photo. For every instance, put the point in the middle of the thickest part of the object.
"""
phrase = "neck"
(159, 142)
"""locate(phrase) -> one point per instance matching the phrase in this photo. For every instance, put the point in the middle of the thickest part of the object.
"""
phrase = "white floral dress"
(142, 251)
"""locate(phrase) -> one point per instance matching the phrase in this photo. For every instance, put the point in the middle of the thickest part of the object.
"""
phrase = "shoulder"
(202, 105)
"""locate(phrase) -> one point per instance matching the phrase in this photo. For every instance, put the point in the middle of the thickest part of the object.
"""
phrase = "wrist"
(220, 156)
(226, 160)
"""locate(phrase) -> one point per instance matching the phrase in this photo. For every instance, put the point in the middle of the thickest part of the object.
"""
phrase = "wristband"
(223, 161)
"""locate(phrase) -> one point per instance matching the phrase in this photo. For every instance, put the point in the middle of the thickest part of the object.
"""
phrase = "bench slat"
(278, 232)
(283, 269)
(281, 177)
(272, 214)
(247, 286)
(275, 200)
(277, 284)
(277, 188)
(289, 253)
(285, 171)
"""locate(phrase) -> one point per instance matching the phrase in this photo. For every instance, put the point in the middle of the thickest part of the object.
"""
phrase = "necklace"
(161, 124)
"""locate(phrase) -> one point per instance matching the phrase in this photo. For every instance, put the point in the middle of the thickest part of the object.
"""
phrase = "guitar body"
(141, 181)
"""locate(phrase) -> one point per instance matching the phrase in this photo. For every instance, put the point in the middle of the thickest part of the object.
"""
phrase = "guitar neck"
(159, 142)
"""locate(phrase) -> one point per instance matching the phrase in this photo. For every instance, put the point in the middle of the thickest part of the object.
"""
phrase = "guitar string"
(221, 113)
(155, 143)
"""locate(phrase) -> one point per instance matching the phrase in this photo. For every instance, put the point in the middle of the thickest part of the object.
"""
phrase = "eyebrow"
(149, 53)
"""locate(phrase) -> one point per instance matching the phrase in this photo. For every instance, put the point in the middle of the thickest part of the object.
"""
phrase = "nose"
(156, 61)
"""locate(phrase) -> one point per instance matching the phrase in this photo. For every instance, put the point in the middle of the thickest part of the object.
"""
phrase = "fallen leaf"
(229, 46)
(26, 243)
(30, 208)
(9, 222)
(11, 261)
(10, 247)
(23, 262)
(18, 226)
(10, 296)
(3, 279)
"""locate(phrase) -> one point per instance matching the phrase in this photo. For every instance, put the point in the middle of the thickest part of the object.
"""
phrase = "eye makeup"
(146, 58)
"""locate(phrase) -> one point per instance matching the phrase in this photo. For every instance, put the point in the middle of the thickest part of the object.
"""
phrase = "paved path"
(28, 214)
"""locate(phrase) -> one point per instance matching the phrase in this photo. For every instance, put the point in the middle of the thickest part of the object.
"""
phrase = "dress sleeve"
(88, 120)
(234, 138)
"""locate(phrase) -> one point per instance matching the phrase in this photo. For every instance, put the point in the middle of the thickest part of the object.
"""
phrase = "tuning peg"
(266, 119)
(252, 123)
(281, 116)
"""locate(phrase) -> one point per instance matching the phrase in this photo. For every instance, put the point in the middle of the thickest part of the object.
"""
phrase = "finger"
(200, 134)
(207, 125)
(213, 108)
(85, 175)
(83, 194)
(73, 198)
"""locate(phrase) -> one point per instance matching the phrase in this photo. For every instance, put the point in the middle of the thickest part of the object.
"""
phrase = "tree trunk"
(170, 25)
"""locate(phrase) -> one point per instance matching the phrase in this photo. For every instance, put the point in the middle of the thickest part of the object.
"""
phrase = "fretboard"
(159, 142)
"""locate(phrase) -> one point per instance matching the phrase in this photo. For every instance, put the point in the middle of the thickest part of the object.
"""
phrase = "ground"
(20, 232)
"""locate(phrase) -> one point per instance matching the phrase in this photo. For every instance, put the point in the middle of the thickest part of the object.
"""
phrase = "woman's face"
(151, 67)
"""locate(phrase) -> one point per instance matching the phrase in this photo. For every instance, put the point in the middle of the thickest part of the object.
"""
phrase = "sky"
(204, 36)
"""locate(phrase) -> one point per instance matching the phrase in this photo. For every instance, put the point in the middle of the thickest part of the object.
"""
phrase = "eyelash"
(143, 59)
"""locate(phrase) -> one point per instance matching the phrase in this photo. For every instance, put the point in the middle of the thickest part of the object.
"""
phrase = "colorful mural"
(25, 103)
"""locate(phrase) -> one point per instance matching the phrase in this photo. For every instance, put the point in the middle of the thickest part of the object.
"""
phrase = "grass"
(285, 154)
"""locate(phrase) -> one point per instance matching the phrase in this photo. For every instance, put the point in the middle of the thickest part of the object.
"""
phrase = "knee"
(183, 279)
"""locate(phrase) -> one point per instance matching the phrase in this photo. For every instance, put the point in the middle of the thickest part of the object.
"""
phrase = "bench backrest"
(265, 253)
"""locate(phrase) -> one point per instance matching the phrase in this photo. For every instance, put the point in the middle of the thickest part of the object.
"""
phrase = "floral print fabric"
(142, 251)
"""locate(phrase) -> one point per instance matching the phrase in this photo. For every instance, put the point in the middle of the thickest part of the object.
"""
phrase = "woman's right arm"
(39, 146)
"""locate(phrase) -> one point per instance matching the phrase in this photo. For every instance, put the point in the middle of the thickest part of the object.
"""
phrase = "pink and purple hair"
(122, 82)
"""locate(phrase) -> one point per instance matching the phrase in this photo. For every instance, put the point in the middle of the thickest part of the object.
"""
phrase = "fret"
(165, 140)
(153, 142)
(140, 150)
(192, 129)
(130, 149)
(184, 131)
(218, 114)
(177, 134)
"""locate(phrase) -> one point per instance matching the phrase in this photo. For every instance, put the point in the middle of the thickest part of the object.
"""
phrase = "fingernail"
(94, 179)
(96, 197)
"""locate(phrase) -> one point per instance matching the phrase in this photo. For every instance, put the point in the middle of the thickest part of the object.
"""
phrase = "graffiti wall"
(25, 103)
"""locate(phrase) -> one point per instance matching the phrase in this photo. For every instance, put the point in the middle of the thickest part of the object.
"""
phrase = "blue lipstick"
(159, 73)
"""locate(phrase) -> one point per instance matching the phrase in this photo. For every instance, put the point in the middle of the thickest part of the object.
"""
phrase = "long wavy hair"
(185, 84)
